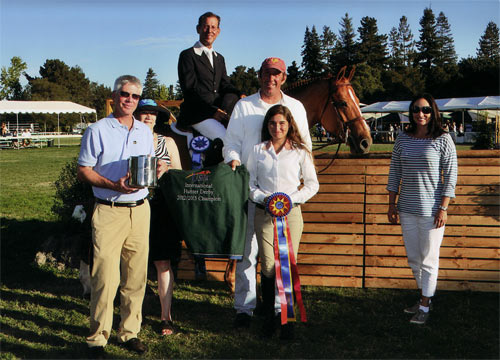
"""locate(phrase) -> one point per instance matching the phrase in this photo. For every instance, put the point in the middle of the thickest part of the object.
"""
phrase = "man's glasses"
(125, 94)
(424, 109)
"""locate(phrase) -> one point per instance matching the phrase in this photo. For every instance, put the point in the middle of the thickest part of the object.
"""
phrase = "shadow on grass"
(43, 316)
(46, 338)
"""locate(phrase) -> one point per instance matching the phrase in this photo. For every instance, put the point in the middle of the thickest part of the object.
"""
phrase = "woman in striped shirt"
(423, 172)
(164, 239)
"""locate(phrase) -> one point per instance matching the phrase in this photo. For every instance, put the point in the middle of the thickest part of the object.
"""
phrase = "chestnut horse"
(334, 104)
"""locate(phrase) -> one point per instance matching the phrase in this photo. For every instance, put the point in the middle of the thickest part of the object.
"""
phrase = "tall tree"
(406, 42)
(10, 85)
(346, 47)
(489, 44)
(368, 83)
(395, 58)
(245, 80)
(71, 78)
(151, 84)
(293, 73)
(311, 54)
(162, 93)
(99, 95)
(328, 40)
(479, 77)
(447, 54)
(372, 47)
(428, 44)
(178, 91)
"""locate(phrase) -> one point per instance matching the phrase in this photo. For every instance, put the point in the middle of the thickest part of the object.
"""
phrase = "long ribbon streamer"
(286, 271)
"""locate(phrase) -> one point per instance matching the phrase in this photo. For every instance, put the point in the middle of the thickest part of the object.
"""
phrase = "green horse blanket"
(209, 206)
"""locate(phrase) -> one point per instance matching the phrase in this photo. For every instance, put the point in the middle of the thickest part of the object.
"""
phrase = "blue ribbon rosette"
(198, 145)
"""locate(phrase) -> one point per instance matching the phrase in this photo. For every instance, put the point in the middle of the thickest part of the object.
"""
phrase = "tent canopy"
(43, 107)
(450, 104)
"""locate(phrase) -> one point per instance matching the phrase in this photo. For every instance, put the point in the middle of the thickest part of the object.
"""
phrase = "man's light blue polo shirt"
(107, 145)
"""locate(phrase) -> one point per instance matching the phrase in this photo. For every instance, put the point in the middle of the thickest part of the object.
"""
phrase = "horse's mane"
(297, 85)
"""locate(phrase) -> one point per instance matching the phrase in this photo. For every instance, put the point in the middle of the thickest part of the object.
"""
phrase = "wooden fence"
(347, 240)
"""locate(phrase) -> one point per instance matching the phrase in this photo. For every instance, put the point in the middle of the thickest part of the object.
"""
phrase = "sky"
(109, 38)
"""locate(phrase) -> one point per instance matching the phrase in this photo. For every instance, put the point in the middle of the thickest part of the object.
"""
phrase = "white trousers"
(245, 292)
(211, 128)
(422, 242)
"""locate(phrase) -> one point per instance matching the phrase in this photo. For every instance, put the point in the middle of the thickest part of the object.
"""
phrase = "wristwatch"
(442, 208)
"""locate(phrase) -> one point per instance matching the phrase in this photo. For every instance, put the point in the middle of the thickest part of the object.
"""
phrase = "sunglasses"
(125, 94)
(424, 109)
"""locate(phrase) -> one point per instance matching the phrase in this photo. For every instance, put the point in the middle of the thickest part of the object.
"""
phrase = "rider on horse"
(209, 97)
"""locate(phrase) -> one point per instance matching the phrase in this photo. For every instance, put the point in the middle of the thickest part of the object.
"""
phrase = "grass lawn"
(43, 315)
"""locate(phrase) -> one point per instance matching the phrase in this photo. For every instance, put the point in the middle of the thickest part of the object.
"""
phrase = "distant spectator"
(26, 134)
(391, 133)
(15, 142)
(461, 130)
(320, 132)
(453, 131)
(4, 129)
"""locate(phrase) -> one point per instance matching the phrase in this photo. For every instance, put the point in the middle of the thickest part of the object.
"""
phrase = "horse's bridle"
(337, 105)
(345, 124)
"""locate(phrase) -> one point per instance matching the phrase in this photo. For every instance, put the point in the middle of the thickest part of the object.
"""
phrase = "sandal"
(167, 327)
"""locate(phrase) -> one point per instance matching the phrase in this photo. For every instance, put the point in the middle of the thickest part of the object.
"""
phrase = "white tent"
(450, 104)
(43, 107)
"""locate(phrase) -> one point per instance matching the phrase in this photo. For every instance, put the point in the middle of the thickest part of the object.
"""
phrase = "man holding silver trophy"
(121, 218)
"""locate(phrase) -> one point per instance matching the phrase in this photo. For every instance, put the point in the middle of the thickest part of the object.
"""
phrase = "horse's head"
(345, 110)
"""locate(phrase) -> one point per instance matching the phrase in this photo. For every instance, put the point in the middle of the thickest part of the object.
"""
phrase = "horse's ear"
(341, 73)
(351, 74)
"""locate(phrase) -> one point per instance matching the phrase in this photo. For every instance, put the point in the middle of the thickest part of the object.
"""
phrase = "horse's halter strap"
(337, 105)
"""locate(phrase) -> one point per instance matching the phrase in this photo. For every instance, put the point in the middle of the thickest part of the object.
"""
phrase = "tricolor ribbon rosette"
(278, 205)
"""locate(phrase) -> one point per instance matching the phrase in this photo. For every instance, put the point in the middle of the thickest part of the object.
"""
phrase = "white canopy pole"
(58, 133)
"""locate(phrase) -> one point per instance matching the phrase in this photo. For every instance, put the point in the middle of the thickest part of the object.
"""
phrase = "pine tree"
(245, 80)
(372, 47)
(151, 85)
(395, 58)
(447, 54)
(406, 43)
(346, 47)
(328, 40)
(293, 73)
(311, 54)
(162, 93)
(428, 45)
(489, 44)
(179, 95)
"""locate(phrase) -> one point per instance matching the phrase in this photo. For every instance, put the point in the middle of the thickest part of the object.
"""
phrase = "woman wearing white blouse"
(278, 164)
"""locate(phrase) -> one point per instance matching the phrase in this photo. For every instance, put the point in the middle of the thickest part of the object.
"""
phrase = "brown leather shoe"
(135, 345)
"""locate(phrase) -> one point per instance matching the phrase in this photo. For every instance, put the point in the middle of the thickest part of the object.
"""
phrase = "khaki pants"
(120, 237)
(264, 230)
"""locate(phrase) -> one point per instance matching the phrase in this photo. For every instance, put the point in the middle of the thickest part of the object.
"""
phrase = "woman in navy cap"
(164, 250)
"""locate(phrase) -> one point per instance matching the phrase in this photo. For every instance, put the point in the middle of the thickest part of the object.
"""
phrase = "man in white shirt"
(243, 132)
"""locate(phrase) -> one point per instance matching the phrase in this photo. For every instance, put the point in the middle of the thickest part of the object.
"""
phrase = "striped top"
(161, 151)
(422, 172)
